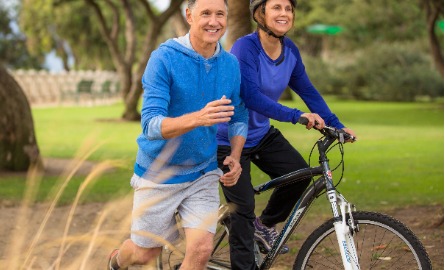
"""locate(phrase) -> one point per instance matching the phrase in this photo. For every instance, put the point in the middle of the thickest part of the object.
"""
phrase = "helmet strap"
(264, 27)
(269, 32)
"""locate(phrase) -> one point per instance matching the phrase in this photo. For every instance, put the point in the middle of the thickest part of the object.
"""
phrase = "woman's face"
(279, 16)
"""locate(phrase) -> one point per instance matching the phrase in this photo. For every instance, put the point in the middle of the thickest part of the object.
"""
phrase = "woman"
(269, 62)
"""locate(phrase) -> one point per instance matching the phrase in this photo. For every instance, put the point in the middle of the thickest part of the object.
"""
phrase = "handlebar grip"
(347, 136)
(339, 133)
(343, 136)
(303, 121)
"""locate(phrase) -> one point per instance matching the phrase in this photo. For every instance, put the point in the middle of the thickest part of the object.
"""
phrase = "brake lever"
(341, 137)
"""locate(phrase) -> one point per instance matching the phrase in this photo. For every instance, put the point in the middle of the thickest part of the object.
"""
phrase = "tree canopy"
(100, 33)
(120, 34)
(13, 50)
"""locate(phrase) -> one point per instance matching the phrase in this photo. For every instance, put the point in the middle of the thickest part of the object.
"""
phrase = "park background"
(67, 140)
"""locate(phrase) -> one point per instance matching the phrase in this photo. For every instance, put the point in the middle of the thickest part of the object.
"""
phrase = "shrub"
(384, 72)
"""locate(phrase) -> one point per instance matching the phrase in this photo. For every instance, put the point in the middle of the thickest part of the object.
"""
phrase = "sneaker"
(266, 237)
(112, 262)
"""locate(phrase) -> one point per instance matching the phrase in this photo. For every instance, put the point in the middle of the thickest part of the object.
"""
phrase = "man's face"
(208, 21)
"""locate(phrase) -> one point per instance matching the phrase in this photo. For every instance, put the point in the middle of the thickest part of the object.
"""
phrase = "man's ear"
(188, 15)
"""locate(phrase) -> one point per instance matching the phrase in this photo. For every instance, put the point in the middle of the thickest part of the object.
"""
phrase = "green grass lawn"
(398, 159)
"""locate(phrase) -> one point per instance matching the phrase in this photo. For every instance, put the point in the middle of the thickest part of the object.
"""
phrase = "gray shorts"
(154, 207)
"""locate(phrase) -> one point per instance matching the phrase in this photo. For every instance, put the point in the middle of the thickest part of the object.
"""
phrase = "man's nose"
(213, 20)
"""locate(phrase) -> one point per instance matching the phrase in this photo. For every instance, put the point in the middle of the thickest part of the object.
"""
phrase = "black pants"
(275, 156)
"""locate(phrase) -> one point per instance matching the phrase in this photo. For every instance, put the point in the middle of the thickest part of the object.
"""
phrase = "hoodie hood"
(184, 45)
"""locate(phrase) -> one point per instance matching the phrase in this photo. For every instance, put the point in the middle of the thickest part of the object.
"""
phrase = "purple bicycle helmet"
(254, 4)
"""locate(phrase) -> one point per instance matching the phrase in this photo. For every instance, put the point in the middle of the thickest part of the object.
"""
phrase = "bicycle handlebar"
(341, 135)
(331, 134)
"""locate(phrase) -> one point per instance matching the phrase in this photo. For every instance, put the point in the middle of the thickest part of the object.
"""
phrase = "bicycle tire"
(382, 242)
(219, 260)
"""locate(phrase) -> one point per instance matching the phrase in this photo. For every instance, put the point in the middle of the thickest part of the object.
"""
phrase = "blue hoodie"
(177, 81)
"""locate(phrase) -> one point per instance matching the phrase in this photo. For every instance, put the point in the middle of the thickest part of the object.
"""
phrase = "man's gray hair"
(191, 4)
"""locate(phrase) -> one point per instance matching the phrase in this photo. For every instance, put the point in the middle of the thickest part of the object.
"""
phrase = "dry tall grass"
(45, 240)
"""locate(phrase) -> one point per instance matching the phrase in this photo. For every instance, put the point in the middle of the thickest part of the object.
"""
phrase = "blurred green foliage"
(382, 54)
(397, 71)
(13, 50)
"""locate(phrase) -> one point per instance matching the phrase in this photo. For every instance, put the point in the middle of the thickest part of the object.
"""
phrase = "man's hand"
(215, 112)
(231, 178)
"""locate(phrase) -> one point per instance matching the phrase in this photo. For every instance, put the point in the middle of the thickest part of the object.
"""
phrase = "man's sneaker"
(112, 261)
(266, 236)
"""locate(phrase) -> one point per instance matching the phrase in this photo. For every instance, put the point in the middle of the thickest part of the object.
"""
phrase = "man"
(190, 85)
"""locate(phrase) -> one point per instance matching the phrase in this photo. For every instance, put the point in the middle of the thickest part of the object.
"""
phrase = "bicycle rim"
(382, 243)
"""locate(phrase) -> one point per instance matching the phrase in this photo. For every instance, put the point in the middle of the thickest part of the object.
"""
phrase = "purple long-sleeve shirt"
(263, 80)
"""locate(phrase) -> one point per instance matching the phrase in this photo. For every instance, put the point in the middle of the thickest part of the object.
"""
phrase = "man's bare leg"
(199, 245)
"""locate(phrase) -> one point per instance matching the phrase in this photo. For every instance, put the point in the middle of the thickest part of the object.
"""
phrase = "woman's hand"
(351, 132)
(314, 120)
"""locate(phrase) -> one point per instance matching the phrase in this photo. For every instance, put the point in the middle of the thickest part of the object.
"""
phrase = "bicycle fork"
(344, 230)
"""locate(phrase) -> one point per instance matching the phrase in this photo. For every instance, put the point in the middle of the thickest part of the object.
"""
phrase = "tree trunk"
(310, 44)
(433, 9)
(239, 23)
(179, 24)
(123, 57)
(132, 99)
(18, 145)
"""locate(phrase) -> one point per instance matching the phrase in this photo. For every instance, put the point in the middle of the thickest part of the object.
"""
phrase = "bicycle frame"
(344, 228)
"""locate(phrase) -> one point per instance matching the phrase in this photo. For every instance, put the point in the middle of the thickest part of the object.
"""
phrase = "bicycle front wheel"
(382, 242)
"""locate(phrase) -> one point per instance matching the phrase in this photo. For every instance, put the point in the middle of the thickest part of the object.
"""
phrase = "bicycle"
(350, 240)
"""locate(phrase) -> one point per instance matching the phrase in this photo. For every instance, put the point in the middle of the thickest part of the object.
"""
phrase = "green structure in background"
(326, 32)
(439, 25)
(325, 29)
